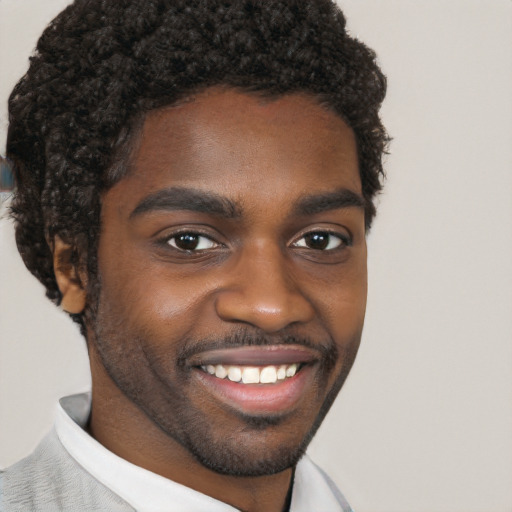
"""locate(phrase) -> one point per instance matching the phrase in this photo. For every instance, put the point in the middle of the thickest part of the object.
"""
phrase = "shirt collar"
(148, 492)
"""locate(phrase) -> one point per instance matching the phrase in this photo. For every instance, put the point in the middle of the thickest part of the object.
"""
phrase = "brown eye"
(191, 242)
(321, 241)
(318, 241)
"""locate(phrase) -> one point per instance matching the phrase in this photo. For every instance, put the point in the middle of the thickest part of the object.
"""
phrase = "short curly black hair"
(102, 64)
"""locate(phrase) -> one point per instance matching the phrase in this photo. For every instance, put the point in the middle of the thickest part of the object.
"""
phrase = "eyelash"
(344, 241)
(197, 235)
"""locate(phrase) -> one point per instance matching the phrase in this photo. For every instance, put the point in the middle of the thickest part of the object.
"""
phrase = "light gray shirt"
(70, 471)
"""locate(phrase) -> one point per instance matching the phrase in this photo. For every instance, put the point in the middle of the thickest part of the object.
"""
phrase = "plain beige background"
(424, 423)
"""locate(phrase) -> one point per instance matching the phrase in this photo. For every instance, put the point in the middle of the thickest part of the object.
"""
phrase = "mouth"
(257, 380)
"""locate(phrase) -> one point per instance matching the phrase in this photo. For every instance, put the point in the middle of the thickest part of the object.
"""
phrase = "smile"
(253, 374)
(258, 379)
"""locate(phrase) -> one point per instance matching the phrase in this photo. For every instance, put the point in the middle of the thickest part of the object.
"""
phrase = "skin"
(284, 170)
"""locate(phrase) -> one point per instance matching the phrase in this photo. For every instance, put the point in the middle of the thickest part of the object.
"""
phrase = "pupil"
(317, 240)
(187, 241)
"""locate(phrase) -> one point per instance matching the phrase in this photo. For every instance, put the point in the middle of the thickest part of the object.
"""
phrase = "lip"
(256, 355)
(258, 399)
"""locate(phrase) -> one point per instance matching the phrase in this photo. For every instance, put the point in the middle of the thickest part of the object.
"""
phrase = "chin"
(259, 445)
(234, 456)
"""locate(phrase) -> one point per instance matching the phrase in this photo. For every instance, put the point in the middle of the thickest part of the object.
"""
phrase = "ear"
(70, 281)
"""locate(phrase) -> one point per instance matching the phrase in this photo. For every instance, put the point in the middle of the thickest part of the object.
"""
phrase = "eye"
(191, 242)
(322, 241)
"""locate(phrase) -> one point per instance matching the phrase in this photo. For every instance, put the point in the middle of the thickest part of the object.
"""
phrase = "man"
(194, 182)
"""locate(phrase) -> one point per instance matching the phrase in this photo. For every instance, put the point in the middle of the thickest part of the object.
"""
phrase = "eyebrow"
(182, 198)
(341, 198)
(188, 199)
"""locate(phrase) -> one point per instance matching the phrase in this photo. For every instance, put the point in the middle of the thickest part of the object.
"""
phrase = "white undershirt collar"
(148, 492)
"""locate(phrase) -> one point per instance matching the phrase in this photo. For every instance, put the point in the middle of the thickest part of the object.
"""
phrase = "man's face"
(236, 245)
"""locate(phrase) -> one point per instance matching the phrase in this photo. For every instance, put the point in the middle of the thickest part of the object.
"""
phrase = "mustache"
(246, 338)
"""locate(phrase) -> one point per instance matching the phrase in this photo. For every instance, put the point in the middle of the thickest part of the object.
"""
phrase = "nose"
(261, 291)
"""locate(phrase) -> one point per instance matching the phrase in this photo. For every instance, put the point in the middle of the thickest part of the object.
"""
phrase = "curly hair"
(100, 66)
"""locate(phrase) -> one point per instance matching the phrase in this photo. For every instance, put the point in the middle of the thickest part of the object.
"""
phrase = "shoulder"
(50, 479)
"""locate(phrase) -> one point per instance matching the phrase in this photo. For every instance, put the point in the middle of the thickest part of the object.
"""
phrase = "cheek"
(343, 303)
(154, 297)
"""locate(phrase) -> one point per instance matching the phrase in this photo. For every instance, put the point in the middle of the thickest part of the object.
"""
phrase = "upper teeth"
(252, 374)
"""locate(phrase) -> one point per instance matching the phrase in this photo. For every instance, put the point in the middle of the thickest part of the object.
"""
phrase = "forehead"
(236, 143)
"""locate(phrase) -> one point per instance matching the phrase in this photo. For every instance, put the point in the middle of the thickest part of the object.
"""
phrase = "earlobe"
(70, 282)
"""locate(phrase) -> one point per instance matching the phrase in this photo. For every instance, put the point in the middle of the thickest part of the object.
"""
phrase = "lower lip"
(280, 397)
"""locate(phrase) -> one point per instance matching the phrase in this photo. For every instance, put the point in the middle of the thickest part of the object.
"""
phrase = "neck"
(119, 425)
